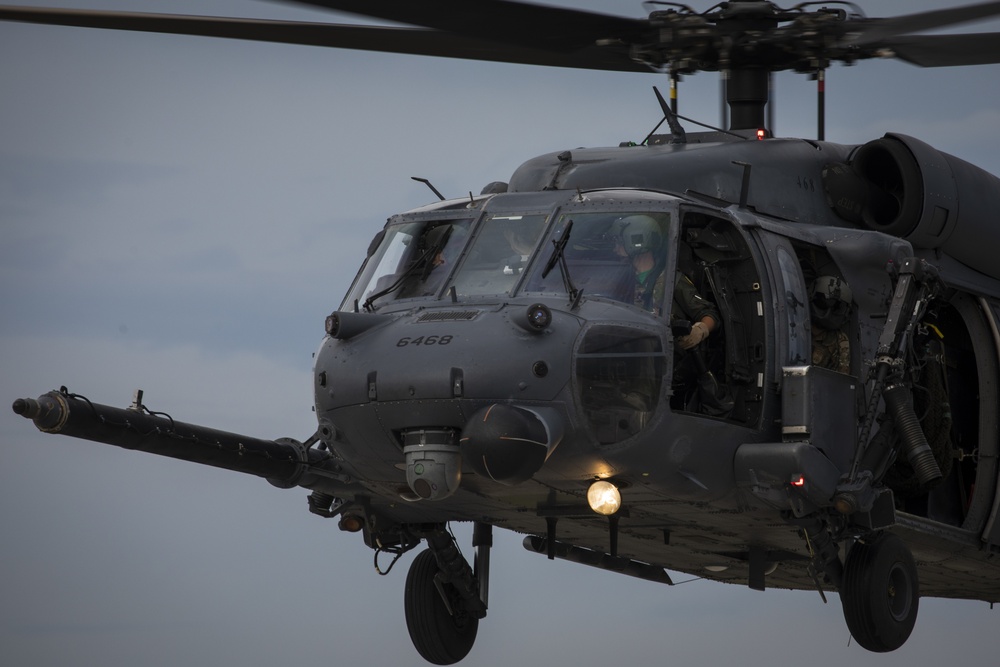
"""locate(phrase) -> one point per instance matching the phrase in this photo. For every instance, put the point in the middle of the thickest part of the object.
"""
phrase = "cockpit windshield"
(412, 259)
(621, 256)
(616, 255)
(499, 254)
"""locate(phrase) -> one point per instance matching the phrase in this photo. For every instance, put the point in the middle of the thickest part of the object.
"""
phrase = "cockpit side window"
(796, 306)
(620, 256)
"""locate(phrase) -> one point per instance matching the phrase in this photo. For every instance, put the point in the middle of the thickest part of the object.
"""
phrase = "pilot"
(424, 278)
(639, 238)
(445, 241)
(830, 307)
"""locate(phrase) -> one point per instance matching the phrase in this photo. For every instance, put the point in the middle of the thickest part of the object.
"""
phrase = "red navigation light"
(761, 134)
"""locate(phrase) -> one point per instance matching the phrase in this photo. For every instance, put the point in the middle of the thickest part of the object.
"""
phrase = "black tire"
(880, 593)
(439, 637)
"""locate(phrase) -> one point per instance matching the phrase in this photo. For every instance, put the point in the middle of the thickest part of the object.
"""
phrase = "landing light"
(604, 497)
(351, 523)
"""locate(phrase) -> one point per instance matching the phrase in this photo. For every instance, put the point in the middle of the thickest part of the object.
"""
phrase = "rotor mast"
(747, 86)
(747, 96)
(724, 40)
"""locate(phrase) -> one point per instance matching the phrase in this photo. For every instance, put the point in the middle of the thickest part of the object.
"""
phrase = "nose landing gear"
(441, 628)
(880, 593)
(444, 599)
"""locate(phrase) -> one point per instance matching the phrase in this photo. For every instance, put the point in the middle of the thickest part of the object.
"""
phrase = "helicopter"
(714, 225)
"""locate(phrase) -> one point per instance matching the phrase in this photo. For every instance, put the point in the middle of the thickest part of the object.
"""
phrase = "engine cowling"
(902, 186)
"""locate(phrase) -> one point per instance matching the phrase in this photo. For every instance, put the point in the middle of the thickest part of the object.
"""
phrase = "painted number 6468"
(424, 340)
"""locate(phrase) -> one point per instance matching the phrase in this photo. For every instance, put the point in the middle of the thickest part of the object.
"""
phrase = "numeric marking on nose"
(406, 341)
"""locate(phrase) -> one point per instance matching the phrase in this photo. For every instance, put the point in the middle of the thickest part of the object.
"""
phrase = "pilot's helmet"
(830, 301)
(446, 239)
(436, 236)
(637, 234)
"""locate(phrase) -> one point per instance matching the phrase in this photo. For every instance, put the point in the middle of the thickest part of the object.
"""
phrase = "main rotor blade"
(947, 50)
(878, 30)
(536, 26)
(415, 41)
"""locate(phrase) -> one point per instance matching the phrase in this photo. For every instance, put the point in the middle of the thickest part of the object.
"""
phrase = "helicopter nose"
(509, 443)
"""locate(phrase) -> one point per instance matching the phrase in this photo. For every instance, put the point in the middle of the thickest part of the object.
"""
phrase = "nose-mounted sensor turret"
(433, 462)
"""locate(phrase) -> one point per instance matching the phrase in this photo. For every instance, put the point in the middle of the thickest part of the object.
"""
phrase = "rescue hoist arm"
(917, 283)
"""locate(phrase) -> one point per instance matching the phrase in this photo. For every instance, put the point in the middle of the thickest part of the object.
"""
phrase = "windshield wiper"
(559, 257)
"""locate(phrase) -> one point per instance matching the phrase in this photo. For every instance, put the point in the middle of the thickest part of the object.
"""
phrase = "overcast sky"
(180, 214)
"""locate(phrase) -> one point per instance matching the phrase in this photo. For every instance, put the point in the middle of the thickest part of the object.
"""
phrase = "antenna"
(428, 184)
(676, 131)
(677, 134)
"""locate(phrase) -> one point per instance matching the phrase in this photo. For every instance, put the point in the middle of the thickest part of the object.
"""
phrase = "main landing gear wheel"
(880, 593)
(440, 637)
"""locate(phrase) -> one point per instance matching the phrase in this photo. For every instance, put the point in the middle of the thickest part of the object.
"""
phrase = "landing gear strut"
(880, 593)
(443, 600)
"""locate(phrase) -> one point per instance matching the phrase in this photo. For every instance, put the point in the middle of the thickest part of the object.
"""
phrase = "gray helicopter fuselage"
(447, 327)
